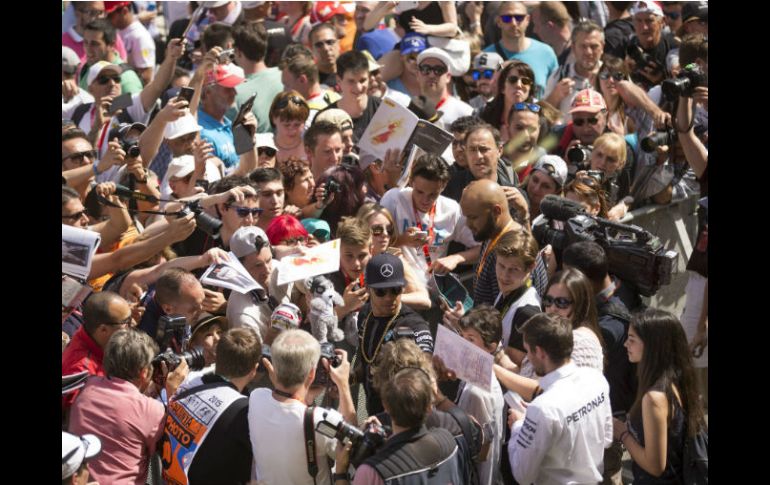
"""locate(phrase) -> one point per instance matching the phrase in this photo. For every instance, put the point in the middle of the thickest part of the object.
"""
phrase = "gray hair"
(295, 353)
(586, 27)
(128, 352)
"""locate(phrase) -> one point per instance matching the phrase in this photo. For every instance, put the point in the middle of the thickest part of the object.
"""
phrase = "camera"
(194, 358)
(172, 332)
(634, 255)
(131, 147)
(322, 377)
(206, 223)
(365, 443)
(580, 154)
(227, 55)
(684, 84)
(332, 186)
(265, 355)
(642, 60)
(597, 175)
(665, 137)
(350, 160)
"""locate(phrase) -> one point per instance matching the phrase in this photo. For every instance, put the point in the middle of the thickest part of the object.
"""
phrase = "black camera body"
(322, 377)
(131, 147)
(597, 175)
(332, 186)
(684, 84)
(351, 160)
(171, 332)
(265, 355)
(194, 358)
(206, 223)
(634, 255)
(663, 137)
(365, 443)
(580, 155)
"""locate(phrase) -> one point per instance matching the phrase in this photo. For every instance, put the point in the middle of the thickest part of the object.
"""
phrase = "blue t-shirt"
(220, 135)
(398, 85)
(540, 57)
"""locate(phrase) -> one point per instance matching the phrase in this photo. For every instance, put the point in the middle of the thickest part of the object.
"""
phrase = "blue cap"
(413, 42)
(384, 271)
(318, 228)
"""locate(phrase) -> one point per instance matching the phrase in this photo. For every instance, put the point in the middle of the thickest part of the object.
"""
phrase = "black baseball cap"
(384, 271)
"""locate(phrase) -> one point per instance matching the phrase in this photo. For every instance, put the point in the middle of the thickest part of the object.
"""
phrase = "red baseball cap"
(110, 7)
(588, 101)
(325, 11)
(224, 75)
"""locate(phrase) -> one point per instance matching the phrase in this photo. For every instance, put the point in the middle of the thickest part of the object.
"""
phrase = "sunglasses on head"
(535, 108)
(245, 211)
(321, 43)
(582, 121)
(384, 291)
(507, 19)
(284, 102)
(80, 155)
(76, 215)
(486, 74)
(105, 79)
(560, 302)
(617, 76)
(270, 152)
(426, 69)
(379, 230)
(513, 79)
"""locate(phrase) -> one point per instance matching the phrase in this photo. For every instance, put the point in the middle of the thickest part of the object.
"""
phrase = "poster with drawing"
(469, 362)
(78, 247)
(321, 259)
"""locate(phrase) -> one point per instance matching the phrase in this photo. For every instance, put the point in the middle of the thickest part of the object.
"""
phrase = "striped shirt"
(485, 288)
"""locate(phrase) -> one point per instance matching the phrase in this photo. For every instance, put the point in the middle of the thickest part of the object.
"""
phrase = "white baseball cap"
(96, 69)
(185, 125)
(75, 450)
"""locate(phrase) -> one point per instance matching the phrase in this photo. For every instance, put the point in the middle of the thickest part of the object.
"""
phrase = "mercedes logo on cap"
(386, 270)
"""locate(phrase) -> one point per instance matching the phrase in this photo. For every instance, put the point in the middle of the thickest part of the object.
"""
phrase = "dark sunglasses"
(508, 18)
(560, 302)
(270, 152)
(245, 211)
(426, 69)
(513, 79)
(76, 215)
(384, 291)
(90, 12)
(284, 102)
(379, 229)
(80, 155)
(582, 121)
(617, 76)
(673, 15)
(321, 43)
(486, 74)
(295, 240)
(105, 79)
(535, 108)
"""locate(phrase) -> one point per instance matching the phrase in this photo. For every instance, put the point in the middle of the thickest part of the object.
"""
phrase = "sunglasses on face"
(486, 74)
(673, 15)
(79, 156)
(525, 81)
(321, 43)
(582, 121)
(295, 240)
(284, 102)
(507, 19)
(245, 211)
(270, 152)
(560, 302)
(105, 79)
(617, 76)
(379, 230)
(426, 69)
(535, 108)
(384, 291)
(76, 215)
(90, 12)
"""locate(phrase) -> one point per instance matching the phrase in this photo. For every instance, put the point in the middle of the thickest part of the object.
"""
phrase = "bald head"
(485, 208)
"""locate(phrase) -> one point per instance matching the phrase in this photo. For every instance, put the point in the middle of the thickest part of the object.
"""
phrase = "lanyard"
(431, 231)
(489, 248)
(441, 101)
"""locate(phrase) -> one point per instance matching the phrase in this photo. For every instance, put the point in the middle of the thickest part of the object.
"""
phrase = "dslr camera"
(208, 224)
(332, 186)
(131, 147)
(171, 335)
(322, 377)
(663, 137)
(365, 443)
(684, 84)
(580, 155)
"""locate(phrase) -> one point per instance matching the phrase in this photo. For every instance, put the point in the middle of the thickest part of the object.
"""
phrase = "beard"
(487, 230)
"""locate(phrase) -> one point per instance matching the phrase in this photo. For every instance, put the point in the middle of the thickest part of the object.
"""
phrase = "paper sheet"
(78, 247)
(321, 259)
(230, 274)
(469, 362)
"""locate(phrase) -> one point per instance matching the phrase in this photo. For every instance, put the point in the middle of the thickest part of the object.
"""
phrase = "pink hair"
(284, 227)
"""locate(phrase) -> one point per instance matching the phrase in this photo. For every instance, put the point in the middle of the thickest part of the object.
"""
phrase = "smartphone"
(186, 94)
(121, 102)
(243, 140)
(514, 401)
(244, 110)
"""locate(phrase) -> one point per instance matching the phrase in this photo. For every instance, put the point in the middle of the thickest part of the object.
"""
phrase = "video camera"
(580, 155)
(634, 255)
(684, 84)
(642, 60)
(171, 335)
(365, 443)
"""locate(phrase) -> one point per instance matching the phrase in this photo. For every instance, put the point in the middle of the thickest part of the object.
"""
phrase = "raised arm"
(162, 79)
(119, 219)
(694, 151)
(151, 138)
(635, 96)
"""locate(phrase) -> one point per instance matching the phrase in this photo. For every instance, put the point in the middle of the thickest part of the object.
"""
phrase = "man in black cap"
(695, 19)
(383, 317)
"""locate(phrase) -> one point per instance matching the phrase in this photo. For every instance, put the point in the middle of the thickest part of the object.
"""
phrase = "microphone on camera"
(559, 208)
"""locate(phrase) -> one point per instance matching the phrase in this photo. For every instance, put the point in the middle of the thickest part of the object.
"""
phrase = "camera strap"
(312, 464)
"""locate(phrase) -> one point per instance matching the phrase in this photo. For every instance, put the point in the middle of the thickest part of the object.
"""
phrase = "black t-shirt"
(360, 123)
(228, 438)
(372, 329)
(431, 15)
(196, 244)
(331, 80)
(699, 259)
(613, 322)
(617, 35)
(278, 37)
(524, 313)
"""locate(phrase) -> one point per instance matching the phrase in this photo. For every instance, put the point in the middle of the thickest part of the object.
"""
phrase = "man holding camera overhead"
(207, 422)
(277, 417)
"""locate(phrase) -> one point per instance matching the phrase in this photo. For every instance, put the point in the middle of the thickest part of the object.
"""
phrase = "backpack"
(468, 444)
(695, 466)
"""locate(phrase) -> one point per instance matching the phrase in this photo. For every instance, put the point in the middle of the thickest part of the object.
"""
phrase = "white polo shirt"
(563, 435)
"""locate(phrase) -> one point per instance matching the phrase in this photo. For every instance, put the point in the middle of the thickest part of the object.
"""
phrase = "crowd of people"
(195, 134)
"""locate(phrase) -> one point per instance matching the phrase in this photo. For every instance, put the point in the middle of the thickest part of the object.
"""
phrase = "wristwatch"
(341, 476)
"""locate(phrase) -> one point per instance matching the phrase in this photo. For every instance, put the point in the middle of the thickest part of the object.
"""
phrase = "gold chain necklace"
(377, 349)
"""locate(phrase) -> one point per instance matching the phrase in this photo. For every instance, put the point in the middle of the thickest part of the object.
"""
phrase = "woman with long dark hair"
(348, 197)
(515, 83)
(667, 408)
